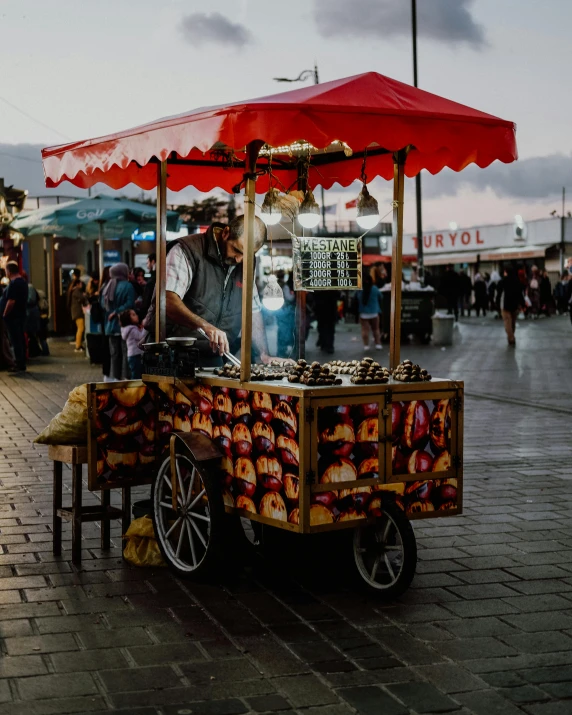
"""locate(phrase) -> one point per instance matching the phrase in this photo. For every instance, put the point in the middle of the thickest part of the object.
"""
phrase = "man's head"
(231, 241)
(151, 261)
(12, 269)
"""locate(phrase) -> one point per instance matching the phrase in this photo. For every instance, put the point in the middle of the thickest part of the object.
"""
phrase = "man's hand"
(112, 315)
(217, 339)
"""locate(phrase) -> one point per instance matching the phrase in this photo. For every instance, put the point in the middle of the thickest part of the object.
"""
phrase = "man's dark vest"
(209, 297)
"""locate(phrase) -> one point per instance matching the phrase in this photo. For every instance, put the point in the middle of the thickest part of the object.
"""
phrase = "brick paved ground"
(486, 627)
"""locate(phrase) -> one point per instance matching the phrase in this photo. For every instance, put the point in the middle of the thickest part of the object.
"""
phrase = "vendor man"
(204, 290)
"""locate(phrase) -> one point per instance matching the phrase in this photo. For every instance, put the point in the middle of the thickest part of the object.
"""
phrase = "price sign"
(326, 263)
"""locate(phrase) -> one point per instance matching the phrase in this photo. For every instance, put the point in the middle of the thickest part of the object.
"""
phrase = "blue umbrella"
(94, 218)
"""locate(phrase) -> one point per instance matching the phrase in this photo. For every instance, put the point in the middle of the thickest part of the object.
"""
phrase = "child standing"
(133, 333)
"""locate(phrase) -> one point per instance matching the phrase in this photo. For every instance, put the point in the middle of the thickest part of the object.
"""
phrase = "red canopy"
(205, 147)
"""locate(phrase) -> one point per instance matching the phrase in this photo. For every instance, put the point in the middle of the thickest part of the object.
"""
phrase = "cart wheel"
(385, 553)
(190, 538)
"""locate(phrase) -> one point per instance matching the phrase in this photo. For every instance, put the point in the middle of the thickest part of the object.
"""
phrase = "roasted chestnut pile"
(368, 372)
(341, 367)
(406, 371)
(274, 371)
(314, 374)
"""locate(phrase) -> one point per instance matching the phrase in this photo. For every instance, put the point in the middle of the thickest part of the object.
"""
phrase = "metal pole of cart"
(248, 260)
(396, 258)
(161, 253)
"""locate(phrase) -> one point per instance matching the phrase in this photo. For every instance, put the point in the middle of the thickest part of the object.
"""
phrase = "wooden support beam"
(396, 258)
(161, 253)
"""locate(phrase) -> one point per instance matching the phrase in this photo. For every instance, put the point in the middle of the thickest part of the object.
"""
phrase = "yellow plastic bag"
(142, 548)
(70, 425)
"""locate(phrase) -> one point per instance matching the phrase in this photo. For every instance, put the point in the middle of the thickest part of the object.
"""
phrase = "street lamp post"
(420, 264)
(302, 77)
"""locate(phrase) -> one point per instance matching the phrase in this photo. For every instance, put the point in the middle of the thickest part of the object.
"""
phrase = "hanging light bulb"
(271, 212)
(309, 215)
(272, 295)
(367, 210)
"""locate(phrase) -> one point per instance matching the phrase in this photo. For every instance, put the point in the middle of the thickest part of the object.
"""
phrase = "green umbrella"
(99, 217)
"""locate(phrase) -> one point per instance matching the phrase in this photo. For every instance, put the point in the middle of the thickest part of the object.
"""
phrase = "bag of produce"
(70, 425)
(142, 548)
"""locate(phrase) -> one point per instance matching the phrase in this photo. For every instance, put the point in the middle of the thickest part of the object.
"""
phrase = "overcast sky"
(86, 69)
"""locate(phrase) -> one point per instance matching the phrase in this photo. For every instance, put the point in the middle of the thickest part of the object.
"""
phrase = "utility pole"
(420, 264)
(562, 230)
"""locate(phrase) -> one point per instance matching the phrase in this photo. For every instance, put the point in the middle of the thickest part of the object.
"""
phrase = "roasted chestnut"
(350, 515)
(244, 502)
(101, 424)
(263, 437)
(327, 499)
(272, 506)
(355, 498)
(149, 427)
(262, 406)
(122, 453)
(269, 472)
(415, 425)
(125, 421)
(320, 514)
(420, 506)
(226, 470)
(284, 420)
(147, 454)
(201, 422)
(244, 476)
(442, 462)
(420, 490)
(371, 409)
(222, 409)
(241, 413)
(202, 398)
(440, 430)
(292, 487)
(288, 450)
(241, 440)
(227, 498)
(129, 396)
(294, 517)
(448, 490)
(399, 461)
(341, 470)
(419, 461)
(329, 416)
(102, 400)
(369, 468)
(338, 440)
(367, 437)
(222, 437)
(241, 394)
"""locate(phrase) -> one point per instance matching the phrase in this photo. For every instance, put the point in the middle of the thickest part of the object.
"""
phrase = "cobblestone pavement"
(486, 627)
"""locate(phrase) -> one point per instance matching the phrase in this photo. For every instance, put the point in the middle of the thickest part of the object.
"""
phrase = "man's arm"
(178, 313)
(9, 307)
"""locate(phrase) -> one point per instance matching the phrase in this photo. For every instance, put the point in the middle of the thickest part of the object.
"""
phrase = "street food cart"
(307, 449)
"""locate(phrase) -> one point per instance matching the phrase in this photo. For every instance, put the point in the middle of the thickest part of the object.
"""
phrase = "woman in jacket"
(76, 301)
(116, 296)
(368, 308)
(510, 299)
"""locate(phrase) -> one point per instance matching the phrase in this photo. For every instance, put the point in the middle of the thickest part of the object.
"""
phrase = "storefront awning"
(442, 259)
(514, 253)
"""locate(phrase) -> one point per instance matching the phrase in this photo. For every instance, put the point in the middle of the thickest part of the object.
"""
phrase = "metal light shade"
(272, 295)
(271, 212)
(309, 216)
(367, 210)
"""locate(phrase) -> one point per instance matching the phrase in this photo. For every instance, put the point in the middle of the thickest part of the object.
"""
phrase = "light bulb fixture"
(367, 210)
(272, 295)
(309, 216)
(271, 212)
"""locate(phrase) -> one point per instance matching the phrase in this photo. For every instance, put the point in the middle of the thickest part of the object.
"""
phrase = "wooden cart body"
(300, 458)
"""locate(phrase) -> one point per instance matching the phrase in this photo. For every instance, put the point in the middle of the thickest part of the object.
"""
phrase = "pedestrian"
(76, 302)
(32, 327)
(369, 308)
(510, 300)
(466, 288)
(450, 290)
(481, 297)
(378, 274)
(117, 295)
(533, 292)
(133, 333)
(545, 294)
(326, 310)
(149, 285)
(44, 308)
(13, 306)
(560, 293)
(492, 291)
(286, 317)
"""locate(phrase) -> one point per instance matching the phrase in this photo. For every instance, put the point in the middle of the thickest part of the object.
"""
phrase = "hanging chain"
(363, 176)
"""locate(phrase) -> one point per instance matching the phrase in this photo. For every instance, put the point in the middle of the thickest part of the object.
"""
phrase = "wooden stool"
(76, 455)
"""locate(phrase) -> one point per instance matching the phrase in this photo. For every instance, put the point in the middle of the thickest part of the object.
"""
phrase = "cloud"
(202, 29)
(446, 21)
(533, 179)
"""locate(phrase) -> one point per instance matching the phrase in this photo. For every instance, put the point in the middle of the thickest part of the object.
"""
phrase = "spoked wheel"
(190, 537)
(385, 553)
